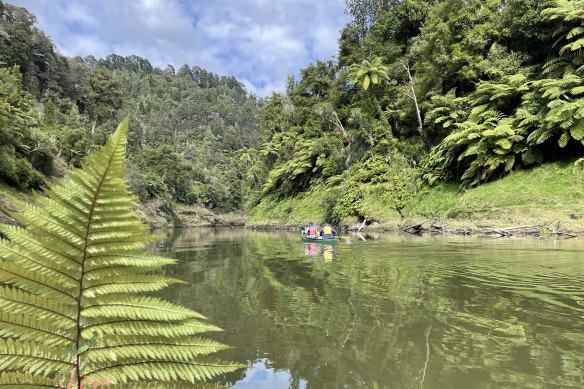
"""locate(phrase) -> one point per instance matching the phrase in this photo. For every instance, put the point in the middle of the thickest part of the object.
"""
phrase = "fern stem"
(82, 273)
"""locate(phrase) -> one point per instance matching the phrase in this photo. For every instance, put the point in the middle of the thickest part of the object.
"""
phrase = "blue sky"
(258, 41)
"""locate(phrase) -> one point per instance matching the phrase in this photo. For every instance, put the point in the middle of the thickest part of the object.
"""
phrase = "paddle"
(353, 237)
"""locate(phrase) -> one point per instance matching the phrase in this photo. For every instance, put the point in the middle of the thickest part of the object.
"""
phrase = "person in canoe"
(311, 231)
(328, 231)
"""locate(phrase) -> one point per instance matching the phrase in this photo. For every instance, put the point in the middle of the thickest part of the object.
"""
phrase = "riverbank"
(154, 213)
(157, 214)
(548, 197)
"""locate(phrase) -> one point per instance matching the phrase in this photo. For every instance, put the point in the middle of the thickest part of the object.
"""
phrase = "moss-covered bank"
(549, 196)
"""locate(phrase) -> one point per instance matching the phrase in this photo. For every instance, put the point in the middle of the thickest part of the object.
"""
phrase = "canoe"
(320, 239)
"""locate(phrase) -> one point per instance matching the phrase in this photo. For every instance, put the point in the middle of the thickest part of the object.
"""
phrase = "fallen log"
(514, 231)
(560, 233)
(496, 231)
(413, 229)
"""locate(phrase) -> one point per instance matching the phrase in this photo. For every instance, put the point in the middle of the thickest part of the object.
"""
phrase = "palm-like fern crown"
(366, 72)
(69, 311)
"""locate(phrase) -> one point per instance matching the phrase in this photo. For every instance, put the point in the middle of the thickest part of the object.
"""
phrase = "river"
(386, 310)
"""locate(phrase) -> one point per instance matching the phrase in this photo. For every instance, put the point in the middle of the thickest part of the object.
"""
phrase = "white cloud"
(258, 41)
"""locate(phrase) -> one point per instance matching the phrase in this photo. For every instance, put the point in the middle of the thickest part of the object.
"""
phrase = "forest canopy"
(428, 91)
(186, 124)
(421, 92)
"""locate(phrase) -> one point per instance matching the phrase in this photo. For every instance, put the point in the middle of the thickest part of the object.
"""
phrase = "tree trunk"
(93, 127)
(425, 141)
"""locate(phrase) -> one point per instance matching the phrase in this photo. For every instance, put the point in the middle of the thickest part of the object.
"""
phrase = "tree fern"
(559, 108)
(570, 35)
(367, 73)
(70, 315)
(488, 141)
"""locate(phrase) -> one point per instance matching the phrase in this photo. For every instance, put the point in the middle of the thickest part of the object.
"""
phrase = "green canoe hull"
(320, 240)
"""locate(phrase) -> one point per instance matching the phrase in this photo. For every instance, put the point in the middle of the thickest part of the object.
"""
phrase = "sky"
(258, 41)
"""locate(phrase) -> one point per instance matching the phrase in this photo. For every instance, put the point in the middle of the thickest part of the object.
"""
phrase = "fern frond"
(29, 328)
(132, 259)
(138, 308)
(152, 328)
(18, 301)
(163, 349)
(564, 138)
(200, 369)
(47, 254)
(34, 358)
(68, 284)
(577, 130)
(26, 381)
(16, 275)
(129, 284)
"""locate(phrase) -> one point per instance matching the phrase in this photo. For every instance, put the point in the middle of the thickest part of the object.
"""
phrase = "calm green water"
(392, 311)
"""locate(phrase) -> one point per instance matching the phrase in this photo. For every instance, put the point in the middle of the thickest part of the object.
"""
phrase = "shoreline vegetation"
(426, 120)
(546, 200)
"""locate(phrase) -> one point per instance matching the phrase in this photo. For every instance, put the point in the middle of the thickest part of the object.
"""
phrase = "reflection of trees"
(519, 329)
(382, 315)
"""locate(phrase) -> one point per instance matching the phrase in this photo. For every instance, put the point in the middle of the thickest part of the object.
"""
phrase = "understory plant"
(71, 310)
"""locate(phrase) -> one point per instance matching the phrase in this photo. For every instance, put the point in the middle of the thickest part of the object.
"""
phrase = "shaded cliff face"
(158, 214)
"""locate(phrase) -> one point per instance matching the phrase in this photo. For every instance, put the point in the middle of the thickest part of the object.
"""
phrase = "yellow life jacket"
(327, 230)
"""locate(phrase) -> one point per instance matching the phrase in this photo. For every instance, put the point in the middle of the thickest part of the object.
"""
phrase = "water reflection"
(260, 376)
(324, 251)
(393, 311)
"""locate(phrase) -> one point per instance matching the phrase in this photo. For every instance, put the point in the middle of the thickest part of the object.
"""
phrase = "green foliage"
(69, 290)
(476, 70)
(296, 173)
(19, 172)
(560, 108)
(17, 132)
(386, 178)
(570, 32)
(515, 116)
(167, 171)
(101, 93)
(453, 44)
(444, 112)
(487, 142)
(367, 73)
(204, 117)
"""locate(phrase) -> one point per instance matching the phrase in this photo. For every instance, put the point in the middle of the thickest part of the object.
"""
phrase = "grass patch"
(299, 210)
(550, 195)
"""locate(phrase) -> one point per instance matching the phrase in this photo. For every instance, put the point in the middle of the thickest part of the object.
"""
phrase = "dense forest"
(186, 125)
(424, 92)
(421, 92)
